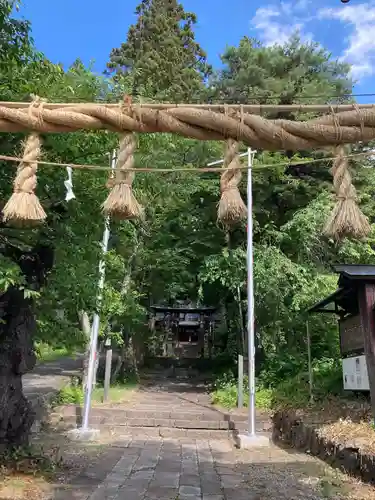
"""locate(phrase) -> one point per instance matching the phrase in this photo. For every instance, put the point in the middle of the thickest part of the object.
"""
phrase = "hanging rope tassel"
(346, 219)
(23, 207)
(121, 202)
(231, 209)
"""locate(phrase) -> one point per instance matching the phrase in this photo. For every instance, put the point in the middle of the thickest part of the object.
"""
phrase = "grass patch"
(74, 394)
(45, 352)
(228, 397)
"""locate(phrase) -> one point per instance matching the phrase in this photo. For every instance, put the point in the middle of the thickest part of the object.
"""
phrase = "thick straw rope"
(253, 130)
(23, 206)
(231, 208)
(346, 218)
(121, 202)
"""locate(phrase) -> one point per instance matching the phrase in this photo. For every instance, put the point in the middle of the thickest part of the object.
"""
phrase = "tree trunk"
(17, 328)
(17, 356)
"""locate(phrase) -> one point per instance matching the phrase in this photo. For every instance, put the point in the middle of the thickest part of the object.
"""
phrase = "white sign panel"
(355, 374)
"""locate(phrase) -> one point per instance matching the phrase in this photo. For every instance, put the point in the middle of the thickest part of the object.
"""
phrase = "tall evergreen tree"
(295, 72)
(161, 53)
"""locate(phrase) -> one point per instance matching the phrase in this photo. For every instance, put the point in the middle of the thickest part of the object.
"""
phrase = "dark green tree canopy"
(280, 74)
(161, 53)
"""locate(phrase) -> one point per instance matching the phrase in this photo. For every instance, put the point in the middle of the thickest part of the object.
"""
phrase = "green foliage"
(74, 394)
(46, 353)
(225, 393)
(280, 74)
(15, 40)
(179, 250)
(71, 394)
(160, 54)
(327, 382)
(291, 392)
(10, 274)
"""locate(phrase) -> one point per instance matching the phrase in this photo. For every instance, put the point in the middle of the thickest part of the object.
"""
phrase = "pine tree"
(161, 53)
(295, 72)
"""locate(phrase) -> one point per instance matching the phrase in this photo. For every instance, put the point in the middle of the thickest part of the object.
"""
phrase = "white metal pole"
(96, 320)
(250, 288)
(250, 295)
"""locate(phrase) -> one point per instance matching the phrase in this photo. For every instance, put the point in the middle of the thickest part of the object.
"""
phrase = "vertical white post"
(250, 295)
(96, 320)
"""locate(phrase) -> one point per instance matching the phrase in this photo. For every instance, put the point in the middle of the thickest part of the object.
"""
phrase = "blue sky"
(67, 29)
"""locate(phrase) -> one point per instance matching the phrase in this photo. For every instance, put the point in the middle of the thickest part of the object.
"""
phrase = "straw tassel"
(121, 202)
(346, 219)
(231, 208)
(23, 207)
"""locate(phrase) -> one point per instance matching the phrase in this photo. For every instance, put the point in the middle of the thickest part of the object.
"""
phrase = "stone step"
(102, 421)
(166, 432)
(142, 412)
(147, 412)
(122, 431)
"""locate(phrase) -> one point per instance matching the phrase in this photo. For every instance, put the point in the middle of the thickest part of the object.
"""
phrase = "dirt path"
(49, 377)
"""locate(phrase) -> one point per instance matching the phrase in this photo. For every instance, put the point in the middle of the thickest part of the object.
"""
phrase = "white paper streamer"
(69, 185)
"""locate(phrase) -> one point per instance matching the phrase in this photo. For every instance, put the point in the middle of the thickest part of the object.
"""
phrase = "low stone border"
(290, 429)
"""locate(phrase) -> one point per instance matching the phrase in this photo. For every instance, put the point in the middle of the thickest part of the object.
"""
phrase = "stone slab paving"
(175, 469)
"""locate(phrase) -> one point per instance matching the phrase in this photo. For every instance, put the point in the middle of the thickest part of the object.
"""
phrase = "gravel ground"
(278, 473)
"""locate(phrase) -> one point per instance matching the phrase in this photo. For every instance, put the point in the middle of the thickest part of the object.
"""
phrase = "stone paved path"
(140, 461)
(171, 469)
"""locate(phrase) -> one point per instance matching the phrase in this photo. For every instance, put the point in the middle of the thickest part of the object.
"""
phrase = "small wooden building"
(354, 304)
(186, 331)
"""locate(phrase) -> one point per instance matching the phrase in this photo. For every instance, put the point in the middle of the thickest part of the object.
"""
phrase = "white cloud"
(277, 23)
(360, 23)
(267, 21)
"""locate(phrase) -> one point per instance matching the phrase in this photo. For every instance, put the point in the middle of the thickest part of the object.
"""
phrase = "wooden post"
(108, 369)
(366, 302)
(240, 381)
(243, 340)
(201, 338)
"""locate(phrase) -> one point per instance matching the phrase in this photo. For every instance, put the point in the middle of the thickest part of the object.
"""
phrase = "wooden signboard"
(351, 335)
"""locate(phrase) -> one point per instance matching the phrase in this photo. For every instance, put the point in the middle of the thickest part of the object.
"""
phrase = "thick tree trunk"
(17, 328)
(17, 356)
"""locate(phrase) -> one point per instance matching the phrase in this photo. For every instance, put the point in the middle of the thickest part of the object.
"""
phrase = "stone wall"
(290, 429)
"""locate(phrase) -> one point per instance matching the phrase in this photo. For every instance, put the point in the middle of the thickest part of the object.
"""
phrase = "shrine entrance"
(184, 331)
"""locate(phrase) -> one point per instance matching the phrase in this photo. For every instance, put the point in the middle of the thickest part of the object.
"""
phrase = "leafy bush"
(281, 366)
(70, 395)
(291, 392)
(226, 392)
